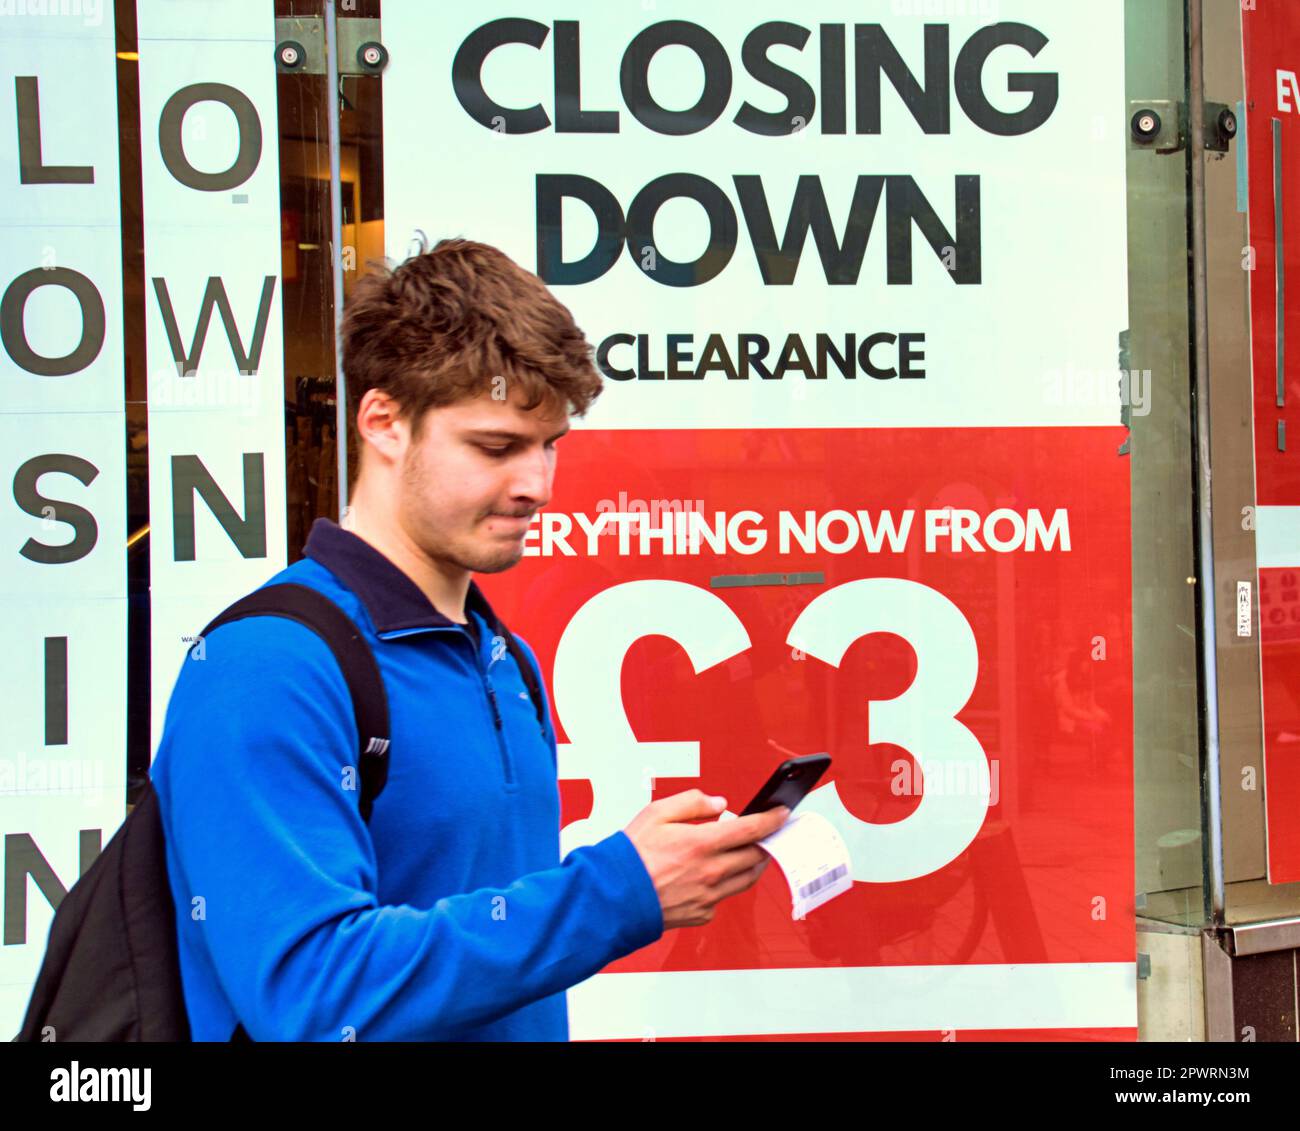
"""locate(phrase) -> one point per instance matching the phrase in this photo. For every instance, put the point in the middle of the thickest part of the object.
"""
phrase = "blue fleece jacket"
(450, 916)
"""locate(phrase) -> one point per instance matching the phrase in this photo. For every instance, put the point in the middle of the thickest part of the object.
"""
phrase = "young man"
(450, 916)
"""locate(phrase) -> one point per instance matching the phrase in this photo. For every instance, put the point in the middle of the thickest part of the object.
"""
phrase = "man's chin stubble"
(498, 563)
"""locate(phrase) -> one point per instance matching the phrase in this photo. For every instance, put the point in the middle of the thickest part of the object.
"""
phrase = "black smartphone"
(789, 784)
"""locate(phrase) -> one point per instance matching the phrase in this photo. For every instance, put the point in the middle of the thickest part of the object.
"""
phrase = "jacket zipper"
(506, 768)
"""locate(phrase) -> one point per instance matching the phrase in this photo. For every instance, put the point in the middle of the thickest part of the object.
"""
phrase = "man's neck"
(446, 588)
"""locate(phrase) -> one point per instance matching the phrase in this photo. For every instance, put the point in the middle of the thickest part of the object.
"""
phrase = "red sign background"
(1049, 878)
(1271, 40)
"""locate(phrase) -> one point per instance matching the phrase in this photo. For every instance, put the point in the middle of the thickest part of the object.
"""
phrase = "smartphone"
(789, 784)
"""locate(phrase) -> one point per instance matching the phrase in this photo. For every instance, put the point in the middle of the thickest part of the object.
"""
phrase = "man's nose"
(533, 476)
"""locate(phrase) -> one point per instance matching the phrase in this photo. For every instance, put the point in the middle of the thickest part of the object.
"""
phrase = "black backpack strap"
(313, 609)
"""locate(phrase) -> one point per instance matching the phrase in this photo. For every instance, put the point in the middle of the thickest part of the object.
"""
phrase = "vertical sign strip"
(1279, 210)
(214, 332)
(63, 591)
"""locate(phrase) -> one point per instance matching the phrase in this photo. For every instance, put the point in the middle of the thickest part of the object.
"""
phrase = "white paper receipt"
(813, 857)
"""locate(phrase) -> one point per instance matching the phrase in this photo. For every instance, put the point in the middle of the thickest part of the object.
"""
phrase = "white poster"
(756, 229)
(844, 266)
(62, 455)
(213, 316)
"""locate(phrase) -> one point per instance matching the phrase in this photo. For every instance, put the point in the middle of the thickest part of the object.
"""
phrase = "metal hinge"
(300, 46)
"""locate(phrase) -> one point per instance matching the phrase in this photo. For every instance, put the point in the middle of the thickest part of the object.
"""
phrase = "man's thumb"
(692, 804)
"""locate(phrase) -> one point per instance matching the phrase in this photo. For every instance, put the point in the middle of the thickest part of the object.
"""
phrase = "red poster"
(1014, 636)
(1271, 40)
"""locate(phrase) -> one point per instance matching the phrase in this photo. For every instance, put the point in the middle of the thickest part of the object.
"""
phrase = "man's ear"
(381, 425)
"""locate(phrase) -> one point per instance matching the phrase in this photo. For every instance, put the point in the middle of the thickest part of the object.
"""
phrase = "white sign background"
(1034, 344)
(51, 793)
(217, 414)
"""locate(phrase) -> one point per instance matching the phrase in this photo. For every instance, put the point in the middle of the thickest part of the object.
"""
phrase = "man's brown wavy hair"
(441, 326)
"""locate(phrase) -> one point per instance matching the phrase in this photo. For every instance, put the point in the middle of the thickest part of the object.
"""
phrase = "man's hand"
(696, 866)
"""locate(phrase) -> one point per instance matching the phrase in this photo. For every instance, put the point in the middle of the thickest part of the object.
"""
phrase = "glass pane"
(893, 459)
(740, 406)
(1167, 774)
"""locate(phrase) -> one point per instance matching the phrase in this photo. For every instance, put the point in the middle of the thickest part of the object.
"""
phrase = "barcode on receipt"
(821, 881)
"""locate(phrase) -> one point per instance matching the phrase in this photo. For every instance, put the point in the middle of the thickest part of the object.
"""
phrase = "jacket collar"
(395, 603)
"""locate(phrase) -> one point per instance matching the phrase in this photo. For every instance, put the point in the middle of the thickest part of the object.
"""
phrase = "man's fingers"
(740, 860)
(745, 830)
(743, 880)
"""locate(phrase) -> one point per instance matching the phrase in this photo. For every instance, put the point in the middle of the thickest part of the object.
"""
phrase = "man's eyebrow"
(503, 434)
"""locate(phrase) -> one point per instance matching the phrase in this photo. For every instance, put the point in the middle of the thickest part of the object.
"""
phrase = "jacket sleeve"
(261, 810)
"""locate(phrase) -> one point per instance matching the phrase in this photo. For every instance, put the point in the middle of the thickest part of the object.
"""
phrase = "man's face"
(474, 477)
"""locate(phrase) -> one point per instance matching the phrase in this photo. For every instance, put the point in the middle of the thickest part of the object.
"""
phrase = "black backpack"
(111, 970)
